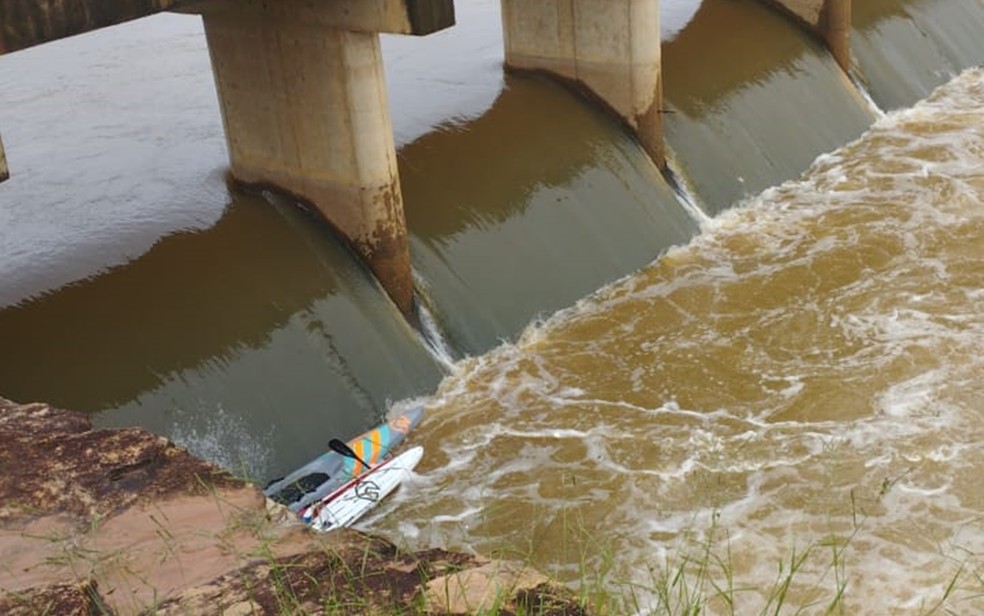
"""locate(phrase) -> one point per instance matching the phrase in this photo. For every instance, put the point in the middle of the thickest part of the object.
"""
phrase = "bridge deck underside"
(33, 22)
(25, 23)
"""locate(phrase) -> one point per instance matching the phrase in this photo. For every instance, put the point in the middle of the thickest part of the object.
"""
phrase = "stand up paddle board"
(330, 471)
(346, 505)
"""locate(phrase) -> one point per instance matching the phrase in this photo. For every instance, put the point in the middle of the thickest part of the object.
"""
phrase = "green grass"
(699, 574)
(698, 577)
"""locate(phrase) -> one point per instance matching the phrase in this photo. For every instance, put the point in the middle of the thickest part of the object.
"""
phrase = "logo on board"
(367, 490)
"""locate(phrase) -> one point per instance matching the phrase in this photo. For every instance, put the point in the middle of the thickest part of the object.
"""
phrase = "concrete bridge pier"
(611, 48)
(303, 100)
(829, 19)
(4, 172)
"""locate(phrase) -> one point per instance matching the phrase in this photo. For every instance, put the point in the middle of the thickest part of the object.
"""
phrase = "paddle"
(340, 447)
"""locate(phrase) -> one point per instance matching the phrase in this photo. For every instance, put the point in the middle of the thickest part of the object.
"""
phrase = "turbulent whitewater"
(803, 379)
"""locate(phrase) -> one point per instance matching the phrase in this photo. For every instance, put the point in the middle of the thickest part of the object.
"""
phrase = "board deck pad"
(331, 470)
(346, 505)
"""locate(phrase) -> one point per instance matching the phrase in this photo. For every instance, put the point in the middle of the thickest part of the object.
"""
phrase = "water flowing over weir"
(520, 198)
(723, 75)
(522, 229)
(186, 340)
(802, 380)
(804, 368)
(905, 49)
(135, 286)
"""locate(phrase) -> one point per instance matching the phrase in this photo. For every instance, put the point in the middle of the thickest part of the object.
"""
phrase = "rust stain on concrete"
(385, 247)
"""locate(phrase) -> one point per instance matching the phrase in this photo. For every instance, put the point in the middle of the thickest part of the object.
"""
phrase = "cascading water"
(797, 389)
(724, 75)
(802, 373)
(539, 188)
(905, 48)
(234, 341)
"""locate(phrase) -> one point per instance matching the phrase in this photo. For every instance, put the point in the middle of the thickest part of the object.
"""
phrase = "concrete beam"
(829, 19)
(305, 110)
(609, 48)
(416, 17)
(24, 23)
(4, 172)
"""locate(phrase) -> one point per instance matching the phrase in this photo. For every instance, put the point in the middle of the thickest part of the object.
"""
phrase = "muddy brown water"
(800, 371)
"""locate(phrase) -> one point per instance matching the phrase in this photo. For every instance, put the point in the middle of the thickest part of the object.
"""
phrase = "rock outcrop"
(54, 463)
(125, 522)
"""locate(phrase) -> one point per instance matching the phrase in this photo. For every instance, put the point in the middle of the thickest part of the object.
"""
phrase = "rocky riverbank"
(125, 522)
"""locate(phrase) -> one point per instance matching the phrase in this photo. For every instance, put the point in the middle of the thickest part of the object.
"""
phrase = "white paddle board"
(353, 500)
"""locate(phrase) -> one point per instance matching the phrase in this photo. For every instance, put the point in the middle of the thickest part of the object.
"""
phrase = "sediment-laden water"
(805, 377)
(798, 375)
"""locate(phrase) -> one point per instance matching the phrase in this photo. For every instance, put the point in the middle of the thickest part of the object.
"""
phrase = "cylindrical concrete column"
(305, 110)
(609, 47)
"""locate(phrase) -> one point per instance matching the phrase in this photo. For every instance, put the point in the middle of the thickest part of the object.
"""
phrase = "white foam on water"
(843, 420)
(460, 517)
(909, 397)
(550, 433)
(226, 440)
